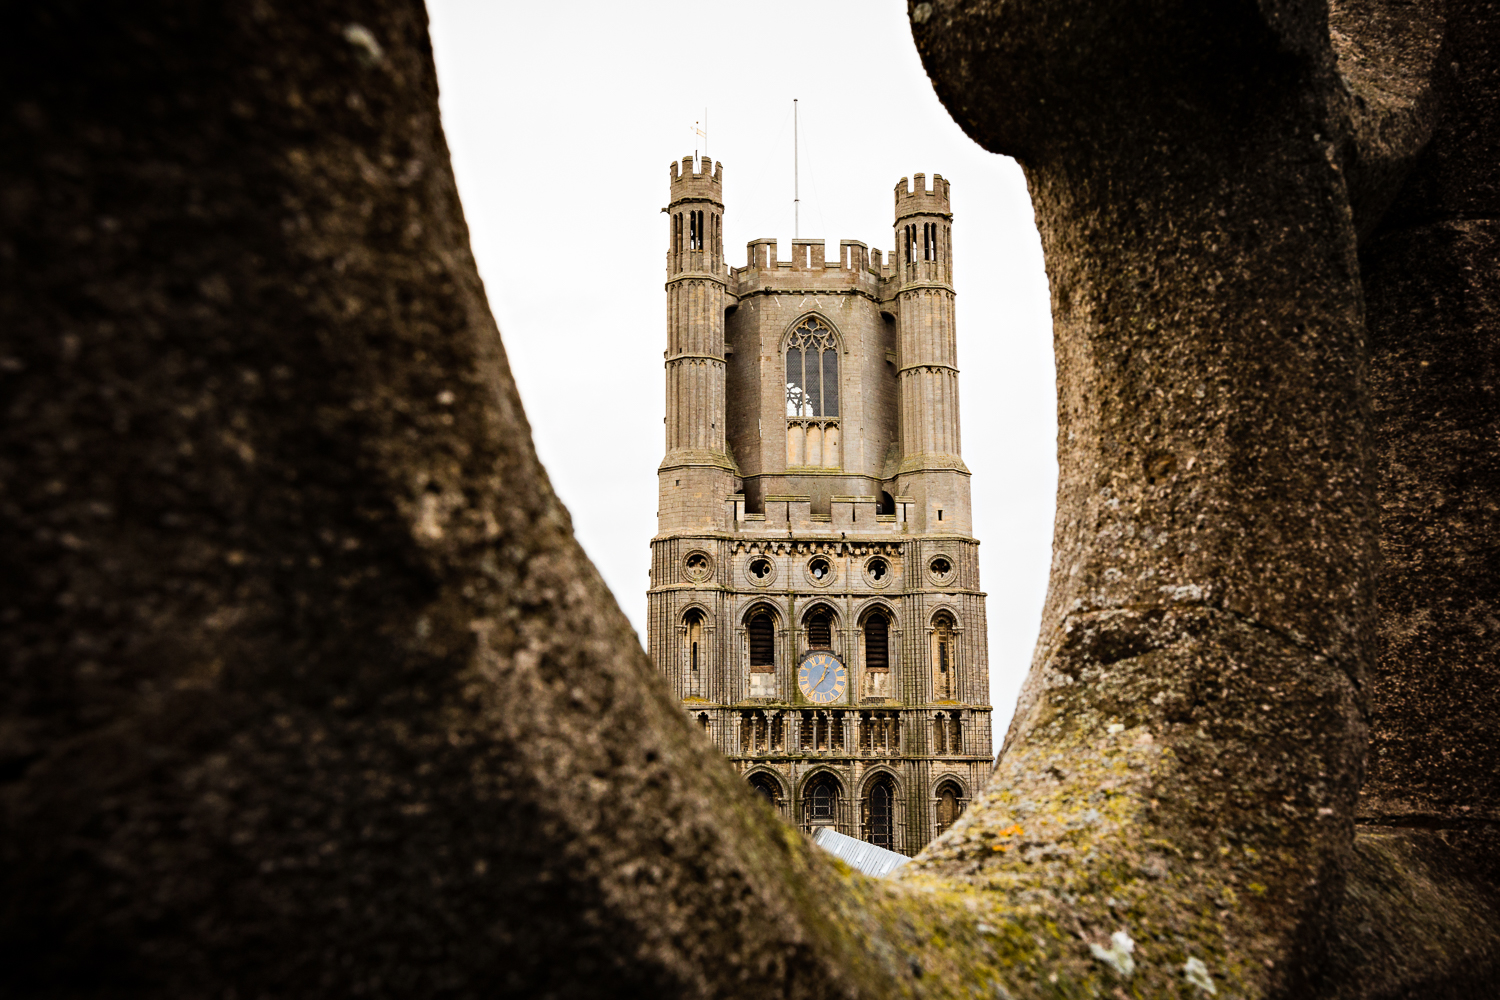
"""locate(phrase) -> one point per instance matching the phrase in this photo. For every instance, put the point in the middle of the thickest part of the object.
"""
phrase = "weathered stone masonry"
(813, 497)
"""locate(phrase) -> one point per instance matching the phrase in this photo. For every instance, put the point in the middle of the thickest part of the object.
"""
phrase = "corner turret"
(931, 467)
(697, 472)
(697, 213)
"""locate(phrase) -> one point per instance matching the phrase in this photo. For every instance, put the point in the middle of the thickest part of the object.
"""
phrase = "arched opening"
(880, 814)
(767, 788)
(950, 805)
(944, 659)
(820, 800)
(877, 642)
(886, 504)
(879, 733)
(704, 723)
(762, 642)
(820, 629)
(693, 639)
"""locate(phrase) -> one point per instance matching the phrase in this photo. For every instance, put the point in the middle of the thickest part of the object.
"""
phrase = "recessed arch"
(762, 621)
(760, 607)
(944, 611)
(700, 609)
(822, 795)
(945, 650)
(877, 621)
(949, 800)
(769, 785)
(881, 604)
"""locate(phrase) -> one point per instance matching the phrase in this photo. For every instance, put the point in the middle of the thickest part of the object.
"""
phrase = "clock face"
(822, 678)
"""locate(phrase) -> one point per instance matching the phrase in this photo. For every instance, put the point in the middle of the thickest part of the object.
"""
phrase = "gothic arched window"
(880, 825)
(766, 787)
(694, 639)
(820, 800)
(950, 805)
(944, 659)
(877, 642)
(762, 642)
(812, 371)
(819, 630)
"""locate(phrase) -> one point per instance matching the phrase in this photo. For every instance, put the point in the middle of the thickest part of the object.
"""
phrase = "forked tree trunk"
(311, 692)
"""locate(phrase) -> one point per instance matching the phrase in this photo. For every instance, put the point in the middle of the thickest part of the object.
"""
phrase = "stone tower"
(815, 597)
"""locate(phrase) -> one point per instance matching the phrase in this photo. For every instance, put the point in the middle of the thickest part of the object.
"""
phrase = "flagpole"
(796, 192)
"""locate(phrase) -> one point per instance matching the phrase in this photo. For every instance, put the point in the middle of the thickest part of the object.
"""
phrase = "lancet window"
(879, 733)
(944, 659)
(947, 734)
(820, 800)
(950, 805)
(819, 630)
(880, 814)
(762, 643)
(877, 642)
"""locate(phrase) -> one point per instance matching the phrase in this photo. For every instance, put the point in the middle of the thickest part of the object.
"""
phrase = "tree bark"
(312, 693)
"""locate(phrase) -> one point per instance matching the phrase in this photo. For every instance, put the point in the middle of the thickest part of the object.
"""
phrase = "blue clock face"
(822, 678)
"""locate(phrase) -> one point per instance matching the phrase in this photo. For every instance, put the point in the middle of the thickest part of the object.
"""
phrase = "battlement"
(918, 200)
(810, 255)
(693, 180)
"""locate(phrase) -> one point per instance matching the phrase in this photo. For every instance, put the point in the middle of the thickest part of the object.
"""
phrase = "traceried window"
(812, 371)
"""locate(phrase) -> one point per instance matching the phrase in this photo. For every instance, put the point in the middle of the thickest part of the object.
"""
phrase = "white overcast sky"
(563, 118)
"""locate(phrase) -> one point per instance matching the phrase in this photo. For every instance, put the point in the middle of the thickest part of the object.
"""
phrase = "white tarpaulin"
(857, 854)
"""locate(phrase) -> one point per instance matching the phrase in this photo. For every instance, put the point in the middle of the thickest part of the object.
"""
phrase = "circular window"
(819, 571)
(878, 571)
(761, 571)
(942, 570)
(698, 566)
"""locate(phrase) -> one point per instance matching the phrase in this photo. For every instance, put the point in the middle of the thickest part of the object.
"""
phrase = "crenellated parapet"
(863, 514)
(853, 267)
(695, 181)
(918, 199)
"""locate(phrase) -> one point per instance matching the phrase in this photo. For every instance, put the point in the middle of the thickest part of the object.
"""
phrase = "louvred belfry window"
(877, 643)
(762, 643)
(819, 631)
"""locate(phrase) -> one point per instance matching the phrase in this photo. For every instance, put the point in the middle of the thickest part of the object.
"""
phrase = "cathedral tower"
(815, 597)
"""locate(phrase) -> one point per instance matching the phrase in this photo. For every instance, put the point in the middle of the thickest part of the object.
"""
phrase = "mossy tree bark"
(311, 691)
